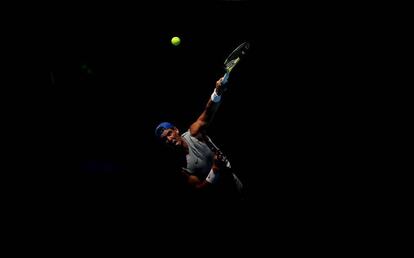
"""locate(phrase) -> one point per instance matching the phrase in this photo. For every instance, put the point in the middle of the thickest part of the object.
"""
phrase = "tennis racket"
(233, 59)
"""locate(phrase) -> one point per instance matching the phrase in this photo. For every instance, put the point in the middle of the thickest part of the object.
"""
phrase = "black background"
(96, 80)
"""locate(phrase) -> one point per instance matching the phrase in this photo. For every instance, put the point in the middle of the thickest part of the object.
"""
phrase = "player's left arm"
(210, 110)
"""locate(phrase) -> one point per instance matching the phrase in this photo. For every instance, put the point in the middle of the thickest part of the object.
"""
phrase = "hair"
(161, 127)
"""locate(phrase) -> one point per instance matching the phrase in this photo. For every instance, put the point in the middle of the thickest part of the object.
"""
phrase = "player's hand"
(220, 87)
(219, 162)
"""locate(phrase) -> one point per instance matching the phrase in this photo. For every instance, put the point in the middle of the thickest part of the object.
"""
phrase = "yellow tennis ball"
(176, 41)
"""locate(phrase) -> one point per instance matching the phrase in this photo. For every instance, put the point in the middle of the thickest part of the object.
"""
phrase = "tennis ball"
(176, 41)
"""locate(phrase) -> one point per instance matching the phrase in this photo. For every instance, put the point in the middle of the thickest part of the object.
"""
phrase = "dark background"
(96, 80)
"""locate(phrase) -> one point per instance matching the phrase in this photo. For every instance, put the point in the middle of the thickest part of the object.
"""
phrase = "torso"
(199, 158)
(199, 162)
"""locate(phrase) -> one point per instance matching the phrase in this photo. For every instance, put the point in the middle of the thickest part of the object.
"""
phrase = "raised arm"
(210, 110)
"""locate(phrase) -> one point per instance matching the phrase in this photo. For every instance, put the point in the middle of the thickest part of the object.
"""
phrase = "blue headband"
(161, 127)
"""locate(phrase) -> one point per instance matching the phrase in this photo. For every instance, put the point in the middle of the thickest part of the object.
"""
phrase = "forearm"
(214, 100)
(210, 110)
(202, 185)
(199, 184)
(211, 107)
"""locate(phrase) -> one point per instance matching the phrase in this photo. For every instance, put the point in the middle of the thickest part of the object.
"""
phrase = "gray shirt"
(199, 157)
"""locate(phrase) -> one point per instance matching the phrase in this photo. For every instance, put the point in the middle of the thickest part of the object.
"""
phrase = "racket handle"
(225, 78)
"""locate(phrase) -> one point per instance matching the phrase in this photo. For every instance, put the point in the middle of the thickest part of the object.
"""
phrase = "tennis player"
(206, 169)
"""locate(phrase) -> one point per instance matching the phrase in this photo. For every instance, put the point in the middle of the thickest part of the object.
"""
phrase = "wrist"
(215, 97)
(212, 177)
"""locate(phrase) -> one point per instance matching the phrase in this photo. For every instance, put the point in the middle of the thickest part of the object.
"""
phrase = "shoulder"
(196, 132)
(186, 134)
(189, 137)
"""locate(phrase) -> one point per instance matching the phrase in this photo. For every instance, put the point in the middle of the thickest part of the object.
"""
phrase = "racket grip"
(225, 78)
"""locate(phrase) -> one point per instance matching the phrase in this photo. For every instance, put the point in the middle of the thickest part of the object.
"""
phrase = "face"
(172, 138)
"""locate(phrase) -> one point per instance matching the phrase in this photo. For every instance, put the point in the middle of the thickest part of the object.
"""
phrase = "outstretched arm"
(209, 111)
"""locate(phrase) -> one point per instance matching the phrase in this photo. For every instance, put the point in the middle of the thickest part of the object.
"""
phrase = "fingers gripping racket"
(233, 59)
